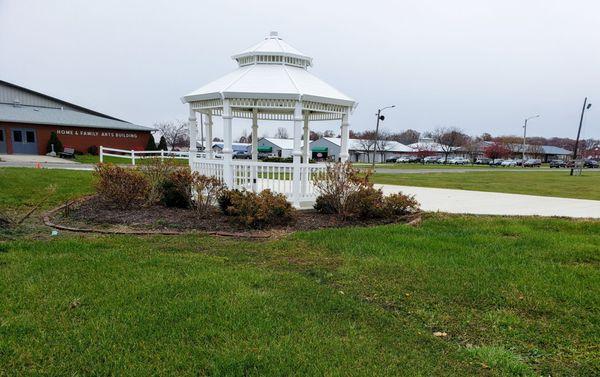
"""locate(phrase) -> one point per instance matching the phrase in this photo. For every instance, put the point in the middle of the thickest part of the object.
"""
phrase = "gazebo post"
(305, 139)
(297, 153)
(254, 146)
(208, 146)
(344, 134)
(227, 147)
(193, 134)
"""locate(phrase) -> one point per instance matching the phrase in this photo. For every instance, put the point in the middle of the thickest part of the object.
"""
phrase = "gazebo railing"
(258, 175)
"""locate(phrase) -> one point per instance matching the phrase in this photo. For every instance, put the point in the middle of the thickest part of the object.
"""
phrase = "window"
(30, 136)
(17, 136)
(1, 136)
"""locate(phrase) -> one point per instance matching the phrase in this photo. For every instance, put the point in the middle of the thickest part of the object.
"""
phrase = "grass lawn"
(586, 186)
(408, 166)
(516, 296)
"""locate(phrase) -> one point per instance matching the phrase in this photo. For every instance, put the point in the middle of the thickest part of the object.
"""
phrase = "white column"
(296, 154)
(227, 141)
(254, 147)
(209, 135)
(344, 132)
(305, 149)
(193, 133)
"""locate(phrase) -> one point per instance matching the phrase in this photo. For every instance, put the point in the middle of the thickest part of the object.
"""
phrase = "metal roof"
(62, 117)
(280, 143)
(272, 45)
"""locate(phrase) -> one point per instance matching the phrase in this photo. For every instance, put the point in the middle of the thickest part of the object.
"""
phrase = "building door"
(24, 141)
(2, 141)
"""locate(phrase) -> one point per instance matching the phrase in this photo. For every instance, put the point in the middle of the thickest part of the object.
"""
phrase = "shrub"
(366, 203)
(206, 191)
(151, 146)
(347, 192)
(257, 210)
(177, 189)
(157, 172)
(396, 205)
(119, 186)
(54, 141)
(93, 150)
(226, 198)
(337, 186)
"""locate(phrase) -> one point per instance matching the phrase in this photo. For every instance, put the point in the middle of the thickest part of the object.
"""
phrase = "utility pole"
(525, 137)
(585, 107)
(379, 117)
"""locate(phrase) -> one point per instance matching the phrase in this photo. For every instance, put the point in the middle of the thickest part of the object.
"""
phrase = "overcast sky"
(479, 65)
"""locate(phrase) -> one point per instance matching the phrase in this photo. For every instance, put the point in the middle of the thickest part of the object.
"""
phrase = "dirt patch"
(92, 215)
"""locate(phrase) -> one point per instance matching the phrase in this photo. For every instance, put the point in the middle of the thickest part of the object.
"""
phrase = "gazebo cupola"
(272, 82)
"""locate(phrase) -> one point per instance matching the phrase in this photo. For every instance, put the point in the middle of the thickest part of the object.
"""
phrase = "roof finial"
(273, 34)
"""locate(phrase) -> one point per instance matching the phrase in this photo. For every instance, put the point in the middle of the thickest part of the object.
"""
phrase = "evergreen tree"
(162, 144)
(58, 147)
(151, 146)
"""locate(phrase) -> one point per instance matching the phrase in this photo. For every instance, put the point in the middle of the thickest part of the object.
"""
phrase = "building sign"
(120, 135)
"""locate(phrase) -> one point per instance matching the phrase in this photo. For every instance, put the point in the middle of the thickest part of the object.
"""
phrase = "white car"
(508, 163)
(458, 161)
(402, 159)
(430, 159)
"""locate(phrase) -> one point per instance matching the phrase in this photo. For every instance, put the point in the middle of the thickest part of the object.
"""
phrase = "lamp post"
(525, 137)
(586, 106)
(379, 117)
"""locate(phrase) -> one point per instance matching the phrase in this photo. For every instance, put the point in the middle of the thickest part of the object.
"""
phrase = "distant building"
(276, 147)
(237, 147)
(543, 152)
(328, 148)
(27, 118)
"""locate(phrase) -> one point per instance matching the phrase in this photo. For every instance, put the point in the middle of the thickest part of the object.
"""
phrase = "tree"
(281, 133)
(314, 135)
(54, 142)
(534, 150)
(471, 147)
(496, 150)
(174, 132)
(151, 146)
(328, 133)
(406, 137)
(486, 137)
(245, 138)
(449, 139)
(162, 144)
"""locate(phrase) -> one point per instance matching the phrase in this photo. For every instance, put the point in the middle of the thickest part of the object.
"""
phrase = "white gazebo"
(272, 82)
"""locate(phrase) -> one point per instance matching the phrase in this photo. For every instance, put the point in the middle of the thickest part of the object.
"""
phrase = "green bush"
(396, 205)
(177, 189)
(119, 186)
(366, 203)
(92, 150)
(257, 210)
(58, 146)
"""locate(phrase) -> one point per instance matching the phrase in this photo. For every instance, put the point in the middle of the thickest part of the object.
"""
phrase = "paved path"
(493, 203)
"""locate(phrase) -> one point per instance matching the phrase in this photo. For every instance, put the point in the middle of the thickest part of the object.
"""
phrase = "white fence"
(259, 175)
(134, 156)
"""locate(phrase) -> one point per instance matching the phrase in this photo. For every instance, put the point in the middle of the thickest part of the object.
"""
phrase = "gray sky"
(478, 65)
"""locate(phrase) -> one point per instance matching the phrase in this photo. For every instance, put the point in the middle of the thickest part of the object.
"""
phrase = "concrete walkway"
(493, 203)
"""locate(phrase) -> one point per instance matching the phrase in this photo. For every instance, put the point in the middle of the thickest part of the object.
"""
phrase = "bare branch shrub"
(206, 191)
(257, 210)
(157, 172)
(119, 186)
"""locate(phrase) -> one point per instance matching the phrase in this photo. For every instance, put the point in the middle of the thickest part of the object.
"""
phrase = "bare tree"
(245, 138)
(449, 139)
(281, 133)
(328, 133)
(406, 137)
(174, 132)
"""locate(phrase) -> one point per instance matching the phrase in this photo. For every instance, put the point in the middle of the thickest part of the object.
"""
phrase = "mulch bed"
(90, 214)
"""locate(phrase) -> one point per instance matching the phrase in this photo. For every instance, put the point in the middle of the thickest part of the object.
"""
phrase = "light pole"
(525, 136)
(586, 106)
(379, 117)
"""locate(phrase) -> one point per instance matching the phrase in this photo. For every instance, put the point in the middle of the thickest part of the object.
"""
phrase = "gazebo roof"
(271, 70)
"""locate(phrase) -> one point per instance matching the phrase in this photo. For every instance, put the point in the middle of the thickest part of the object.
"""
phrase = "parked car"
(496, 162)
(403, 159)
(519, 162)
(508, 163)
(458, 161)
(532, 162)
(589, 163)
(442, 160)
(414, 159)
(241, 155)
(558, 164)
(391, 159)
(431, 159)
(483, 161)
